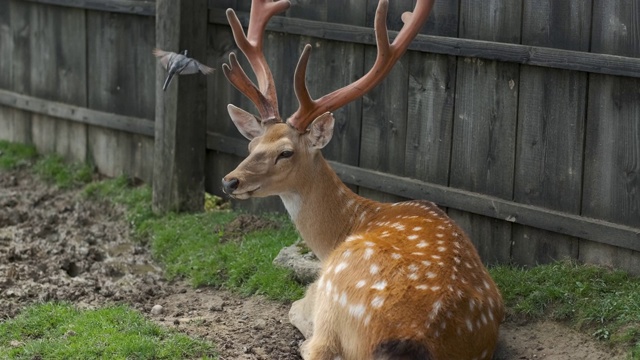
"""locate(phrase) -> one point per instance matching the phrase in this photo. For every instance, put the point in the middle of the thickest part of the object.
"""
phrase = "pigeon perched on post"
(179, 64)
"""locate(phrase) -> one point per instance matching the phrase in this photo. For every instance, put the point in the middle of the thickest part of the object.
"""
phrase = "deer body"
(398, 281)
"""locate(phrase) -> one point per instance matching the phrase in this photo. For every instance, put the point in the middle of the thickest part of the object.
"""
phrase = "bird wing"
(194, 67)
(164, 56)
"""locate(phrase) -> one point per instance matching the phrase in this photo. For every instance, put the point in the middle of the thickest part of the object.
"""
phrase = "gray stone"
(298, 258)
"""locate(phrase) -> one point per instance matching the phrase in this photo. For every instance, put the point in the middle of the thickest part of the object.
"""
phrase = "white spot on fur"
(437, 257)
(435, 288)
(417, 228)
(353, 238)
(329, 286)
(426, 263)
(439, 235)
(422, 244)
(442, 249)
(396, 256)
(343, 299)
(380, 285)
(412, 237)
(377, 302)
(422, 287)
(346, 253)
(469, 324)
(369, 243)
(373, 269)
(417, 253)
(431, 275)
(367, 253)
(343, 265)
(356, 311)
(436, 308)
(360, 284)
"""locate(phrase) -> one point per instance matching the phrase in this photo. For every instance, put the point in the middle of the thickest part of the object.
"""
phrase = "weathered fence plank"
(178, 172)
(431, 98)
(551, 117)
(137, 7)
(58, 72)
(119, 46)
(484, 128)
(432, 80)
(612, 144)
(19, 58)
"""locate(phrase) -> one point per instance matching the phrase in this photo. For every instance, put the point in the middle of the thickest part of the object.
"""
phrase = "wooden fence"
(522, 118)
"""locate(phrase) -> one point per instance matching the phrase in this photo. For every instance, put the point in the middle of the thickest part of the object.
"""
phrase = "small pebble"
(157, 309)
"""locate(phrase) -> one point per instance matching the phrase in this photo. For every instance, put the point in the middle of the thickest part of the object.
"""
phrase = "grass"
(601, 302)
(61, 331)
(51, 168)
(13, 156)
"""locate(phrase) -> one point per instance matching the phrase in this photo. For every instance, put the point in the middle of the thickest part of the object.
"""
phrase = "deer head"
(275, 151)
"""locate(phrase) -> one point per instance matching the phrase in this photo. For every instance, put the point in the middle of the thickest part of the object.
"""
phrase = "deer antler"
(264, 95)
(388, 55)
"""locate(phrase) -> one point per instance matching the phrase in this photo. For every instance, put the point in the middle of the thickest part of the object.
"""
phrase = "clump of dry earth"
(56, 246)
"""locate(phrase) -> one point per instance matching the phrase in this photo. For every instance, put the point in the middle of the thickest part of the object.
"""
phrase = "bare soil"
(56, 246)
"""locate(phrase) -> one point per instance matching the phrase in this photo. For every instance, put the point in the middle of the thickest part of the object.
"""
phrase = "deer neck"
(324, 210)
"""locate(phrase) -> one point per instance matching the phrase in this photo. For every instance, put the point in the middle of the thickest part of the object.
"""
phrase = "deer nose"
(228, 186)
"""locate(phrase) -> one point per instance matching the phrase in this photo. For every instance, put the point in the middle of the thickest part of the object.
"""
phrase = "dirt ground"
(55, 246)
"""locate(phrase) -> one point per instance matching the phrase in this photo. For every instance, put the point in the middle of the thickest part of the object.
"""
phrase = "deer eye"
(285, 154)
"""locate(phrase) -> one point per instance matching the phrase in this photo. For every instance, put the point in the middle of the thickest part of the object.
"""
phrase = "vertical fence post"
(180, 129)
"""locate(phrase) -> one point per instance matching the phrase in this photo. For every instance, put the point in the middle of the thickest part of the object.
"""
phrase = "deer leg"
(317, 349)
(301, 312)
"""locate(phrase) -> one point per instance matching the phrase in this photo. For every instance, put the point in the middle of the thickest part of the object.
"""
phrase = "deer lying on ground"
(399, 281)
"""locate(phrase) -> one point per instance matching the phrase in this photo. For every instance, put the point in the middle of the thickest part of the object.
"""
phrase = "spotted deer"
(398, 281)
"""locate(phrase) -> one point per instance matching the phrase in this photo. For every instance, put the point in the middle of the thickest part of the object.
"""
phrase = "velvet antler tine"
(251, 46)
(388, 55)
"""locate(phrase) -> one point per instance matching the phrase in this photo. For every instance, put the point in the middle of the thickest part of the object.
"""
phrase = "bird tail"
(167, 81)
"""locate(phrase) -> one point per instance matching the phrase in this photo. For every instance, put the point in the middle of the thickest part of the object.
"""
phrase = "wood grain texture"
(484, 129)
(121, 45)
(551, 118)
(137, 7)
(76, 114)
(612, 143)
(432, 83)
(178, 171)
(58, 73)
(17, 64)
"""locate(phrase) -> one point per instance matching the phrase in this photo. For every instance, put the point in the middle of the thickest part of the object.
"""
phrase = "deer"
(398, 280)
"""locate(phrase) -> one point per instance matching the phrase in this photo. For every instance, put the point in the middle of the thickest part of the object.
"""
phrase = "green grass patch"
(50, 168)
(53, 169)
(604, 303)
(190, 246)
(61, 331)
(13, 155)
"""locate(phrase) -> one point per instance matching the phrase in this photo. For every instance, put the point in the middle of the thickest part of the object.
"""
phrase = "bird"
(179, 64)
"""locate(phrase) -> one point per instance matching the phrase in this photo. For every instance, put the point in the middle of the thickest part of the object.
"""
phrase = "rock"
(215, 304)
(304, 265)
(157, 310)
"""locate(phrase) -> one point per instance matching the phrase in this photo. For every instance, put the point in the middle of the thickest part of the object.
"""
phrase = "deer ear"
(321, 130)
(248, 125)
